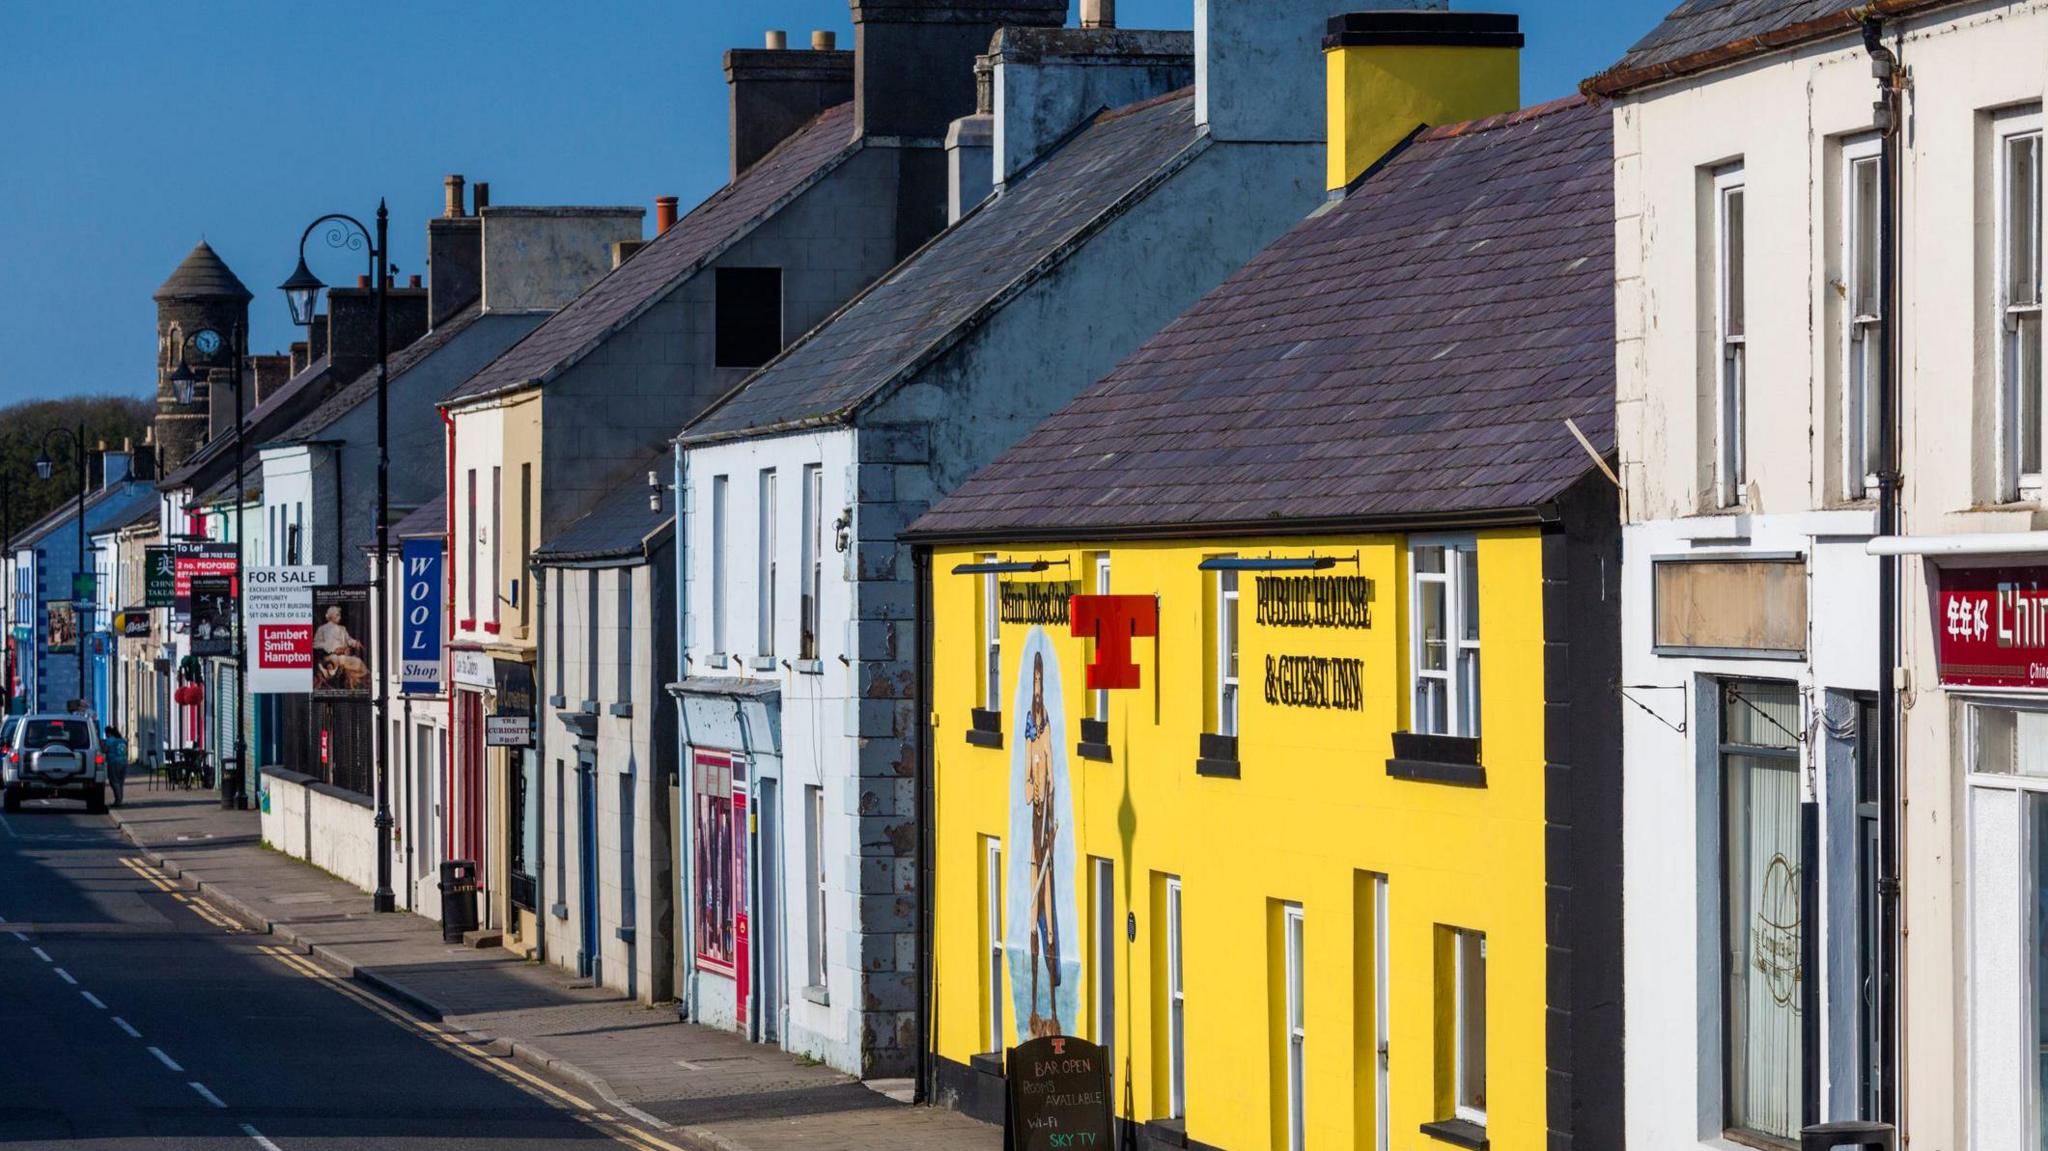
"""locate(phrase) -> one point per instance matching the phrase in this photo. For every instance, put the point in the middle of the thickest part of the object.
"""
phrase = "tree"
(108, 421)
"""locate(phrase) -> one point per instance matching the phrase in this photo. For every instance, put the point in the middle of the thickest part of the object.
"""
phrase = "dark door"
(586, 850)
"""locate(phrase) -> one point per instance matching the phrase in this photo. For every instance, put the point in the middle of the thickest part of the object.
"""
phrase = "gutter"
(1619, 81)
(1530, 516)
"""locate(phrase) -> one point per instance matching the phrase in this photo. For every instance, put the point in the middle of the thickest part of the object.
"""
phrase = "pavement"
(703, 1088)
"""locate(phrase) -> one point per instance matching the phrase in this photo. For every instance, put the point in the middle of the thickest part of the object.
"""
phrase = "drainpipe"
(686, 907)
(448, 665)
(1884, 67)
(538, 589)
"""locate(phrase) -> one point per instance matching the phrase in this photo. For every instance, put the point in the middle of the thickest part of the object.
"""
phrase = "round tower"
(202, 296)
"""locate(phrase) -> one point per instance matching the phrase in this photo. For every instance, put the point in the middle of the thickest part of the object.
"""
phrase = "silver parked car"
(54, 755)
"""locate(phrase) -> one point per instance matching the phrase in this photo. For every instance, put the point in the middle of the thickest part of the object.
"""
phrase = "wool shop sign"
(1315, 601)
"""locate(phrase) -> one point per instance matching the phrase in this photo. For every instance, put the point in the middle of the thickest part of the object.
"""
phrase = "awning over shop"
(1962, 544)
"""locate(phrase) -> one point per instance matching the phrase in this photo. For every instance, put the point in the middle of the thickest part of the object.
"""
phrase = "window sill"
(985, 727)
(814, 993)
(1095, 751)
(1172, 1132)
(559, 911)
(718, 659)
(1451, 759)
(1094, 740)
(622, 710)
(762, 663)
(810, 667)
(1457, 1132)
(623, 934)
(1218, 757)
(991, 739)
(557, 702)
(987, 1062)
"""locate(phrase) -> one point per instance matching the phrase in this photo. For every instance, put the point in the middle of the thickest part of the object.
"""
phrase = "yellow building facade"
(1306, 841)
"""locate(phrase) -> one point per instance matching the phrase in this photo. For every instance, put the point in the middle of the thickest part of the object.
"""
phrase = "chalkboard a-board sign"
(1059, 1096)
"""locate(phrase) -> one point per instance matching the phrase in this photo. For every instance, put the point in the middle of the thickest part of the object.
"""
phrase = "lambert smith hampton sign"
(1991, 625)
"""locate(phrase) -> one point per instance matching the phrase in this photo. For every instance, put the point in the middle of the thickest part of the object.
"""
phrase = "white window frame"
(1102, 877)
(1471, 1114)
(812, 572)
(1296, 1023)
(764, 639)
(1101, 588)
(1862, 327)
(1461, 652)
(1731, 347)
(494, 543)
(814, 863)
(1228, 641)
(991, 639)
(2016, 314)
(720, 560)
(1383, 1050)
(993, 878)
(1176, 1007)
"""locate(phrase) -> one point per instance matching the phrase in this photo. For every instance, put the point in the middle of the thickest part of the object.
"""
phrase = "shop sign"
(472, 669)
(514, 682)
(197, 558)
(718, 800)
(1315, 681)
(159, 577)
(1059, 1096)
(419, 657)
(84, 589)
(135, 623)
(279, 614)
(502, 730)
(1314, 601)
(1750, 605)
(213, 615)
(1113, 621)
(341, 647)
(63, 633)
(1040, 602)
(1992, 627)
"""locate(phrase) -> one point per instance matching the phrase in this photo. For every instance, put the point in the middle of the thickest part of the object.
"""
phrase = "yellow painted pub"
(1273, 730)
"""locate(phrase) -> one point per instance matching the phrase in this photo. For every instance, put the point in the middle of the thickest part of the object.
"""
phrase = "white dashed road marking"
(19, 935)
(252, 1133)
(166, 1060)
(66, 977)
(41, 954)
(93, 999)
(209, 1096)
(124, 1025)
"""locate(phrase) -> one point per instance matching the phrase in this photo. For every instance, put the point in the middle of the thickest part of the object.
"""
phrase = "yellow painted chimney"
(1390, 71)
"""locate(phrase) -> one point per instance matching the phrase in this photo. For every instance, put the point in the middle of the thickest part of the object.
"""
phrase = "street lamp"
(302, 295)
(44, 468)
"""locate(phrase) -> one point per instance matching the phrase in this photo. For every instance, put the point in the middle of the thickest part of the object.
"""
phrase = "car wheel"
(96, 800)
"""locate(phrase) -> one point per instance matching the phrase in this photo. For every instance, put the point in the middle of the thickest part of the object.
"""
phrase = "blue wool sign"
(419, 666)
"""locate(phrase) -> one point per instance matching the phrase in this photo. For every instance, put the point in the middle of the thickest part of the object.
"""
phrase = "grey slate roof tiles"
(1699, 33)
(668, 259)
(620, 526)
(1410, 352)
(944, 288)
(363, 387)
(259, 424)
(427, 521)
(202, 275)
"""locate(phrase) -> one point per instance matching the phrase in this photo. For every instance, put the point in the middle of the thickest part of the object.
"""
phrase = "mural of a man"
(1038, 787)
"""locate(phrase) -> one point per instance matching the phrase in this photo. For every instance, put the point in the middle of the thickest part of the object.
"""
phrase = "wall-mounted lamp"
(1275, 563)
(1004, 567)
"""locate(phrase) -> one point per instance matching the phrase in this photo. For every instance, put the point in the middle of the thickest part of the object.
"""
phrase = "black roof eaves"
(1421, 520)
(952, 337)
(665, 290)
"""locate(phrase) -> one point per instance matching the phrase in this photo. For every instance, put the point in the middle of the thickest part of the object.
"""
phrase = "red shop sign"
(1991, 627)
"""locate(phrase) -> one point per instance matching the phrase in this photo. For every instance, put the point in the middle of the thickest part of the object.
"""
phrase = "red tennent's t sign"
(1991, 627)
(1112, 621)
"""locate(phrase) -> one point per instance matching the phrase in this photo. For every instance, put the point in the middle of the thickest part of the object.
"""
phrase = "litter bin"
(458, 899)
(231, 784)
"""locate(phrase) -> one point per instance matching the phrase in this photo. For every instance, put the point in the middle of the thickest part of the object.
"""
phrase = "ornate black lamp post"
(302, 293)
(44, 468)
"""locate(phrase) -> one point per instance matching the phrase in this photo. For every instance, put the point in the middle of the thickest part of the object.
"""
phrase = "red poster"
(717, 857)
(1991, 627)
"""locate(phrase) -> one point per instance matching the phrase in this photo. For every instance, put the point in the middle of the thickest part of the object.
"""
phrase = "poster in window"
(63, 634)
(1041, 922)
(718, 811)
(341, 642)
(213, 615)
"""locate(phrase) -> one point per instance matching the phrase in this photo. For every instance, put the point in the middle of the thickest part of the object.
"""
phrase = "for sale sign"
(280, 623)
(1992, 626)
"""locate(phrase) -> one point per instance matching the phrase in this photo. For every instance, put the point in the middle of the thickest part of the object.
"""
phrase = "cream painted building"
(1752, 335)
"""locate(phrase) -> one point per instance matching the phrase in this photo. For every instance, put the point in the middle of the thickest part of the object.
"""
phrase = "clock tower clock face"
(207, 341)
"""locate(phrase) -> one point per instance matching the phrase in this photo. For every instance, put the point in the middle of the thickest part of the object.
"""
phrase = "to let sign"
(1992, 627)
(1059, 1097)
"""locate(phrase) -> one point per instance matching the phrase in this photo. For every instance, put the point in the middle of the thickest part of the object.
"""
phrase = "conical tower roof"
(203, 276)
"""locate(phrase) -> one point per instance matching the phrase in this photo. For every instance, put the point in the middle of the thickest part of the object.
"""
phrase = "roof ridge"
(1504, 119)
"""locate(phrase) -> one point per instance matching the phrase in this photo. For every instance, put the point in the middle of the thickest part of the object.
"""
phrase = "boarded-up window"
(1732, 606)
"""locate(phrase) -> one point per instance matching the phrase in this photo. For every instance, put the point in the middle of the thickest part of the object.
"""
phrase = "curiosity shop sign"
(1992, 627)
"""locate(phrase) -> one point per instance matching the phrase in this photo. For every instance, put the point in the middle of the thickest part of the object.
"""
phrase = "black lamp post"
(184, 382)
(302, 294)
(7, 620)
(44, 468)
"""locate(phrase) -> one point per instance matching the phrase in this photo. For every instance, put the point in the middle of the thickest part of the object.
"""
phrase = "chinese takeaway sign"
(1991, 627)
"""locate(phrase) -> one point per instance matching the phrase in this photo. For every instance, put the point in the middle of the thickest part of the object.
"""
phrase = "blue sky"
(136, 128)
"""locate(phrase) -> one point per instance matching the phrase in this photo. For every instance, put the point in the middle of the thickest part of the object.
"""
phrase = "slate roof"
(105, 507)
(917, 311)
(363, 387)
(623, 525)
(1701, 34)
(258, 423)
(1408, 355)
(655, 270)
(427, 521)
(202, 275)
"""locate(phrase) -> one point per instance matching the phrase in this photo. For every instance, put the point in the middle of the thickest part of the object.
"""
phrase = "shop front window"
(1761, 876)
(2007, 933)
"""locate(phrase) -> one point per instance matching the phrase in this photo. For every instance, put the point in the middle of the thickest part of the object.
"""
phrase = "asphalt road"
(135, 1017)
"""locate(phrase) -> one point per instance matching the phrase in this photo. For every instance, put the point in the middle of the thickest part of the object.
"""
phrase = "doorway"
(587, 853)
(768, 850)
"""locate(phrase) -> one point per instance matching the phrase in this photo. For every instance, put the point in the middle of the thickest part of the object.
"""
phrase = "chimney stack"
(1256, 73)
(775, 41)
(914, 69)
(480, 196)
(1098, 13)
(664, 214)
(451, 208)
(823, 40)
(301, 355)
(775, 91)
(1379, 88)
(455, 254)
(352, 327)
(970, 148)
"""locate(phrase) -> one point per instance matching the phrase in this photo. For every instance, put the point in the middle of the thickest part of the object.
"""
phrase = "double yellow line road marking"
(198, 907)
